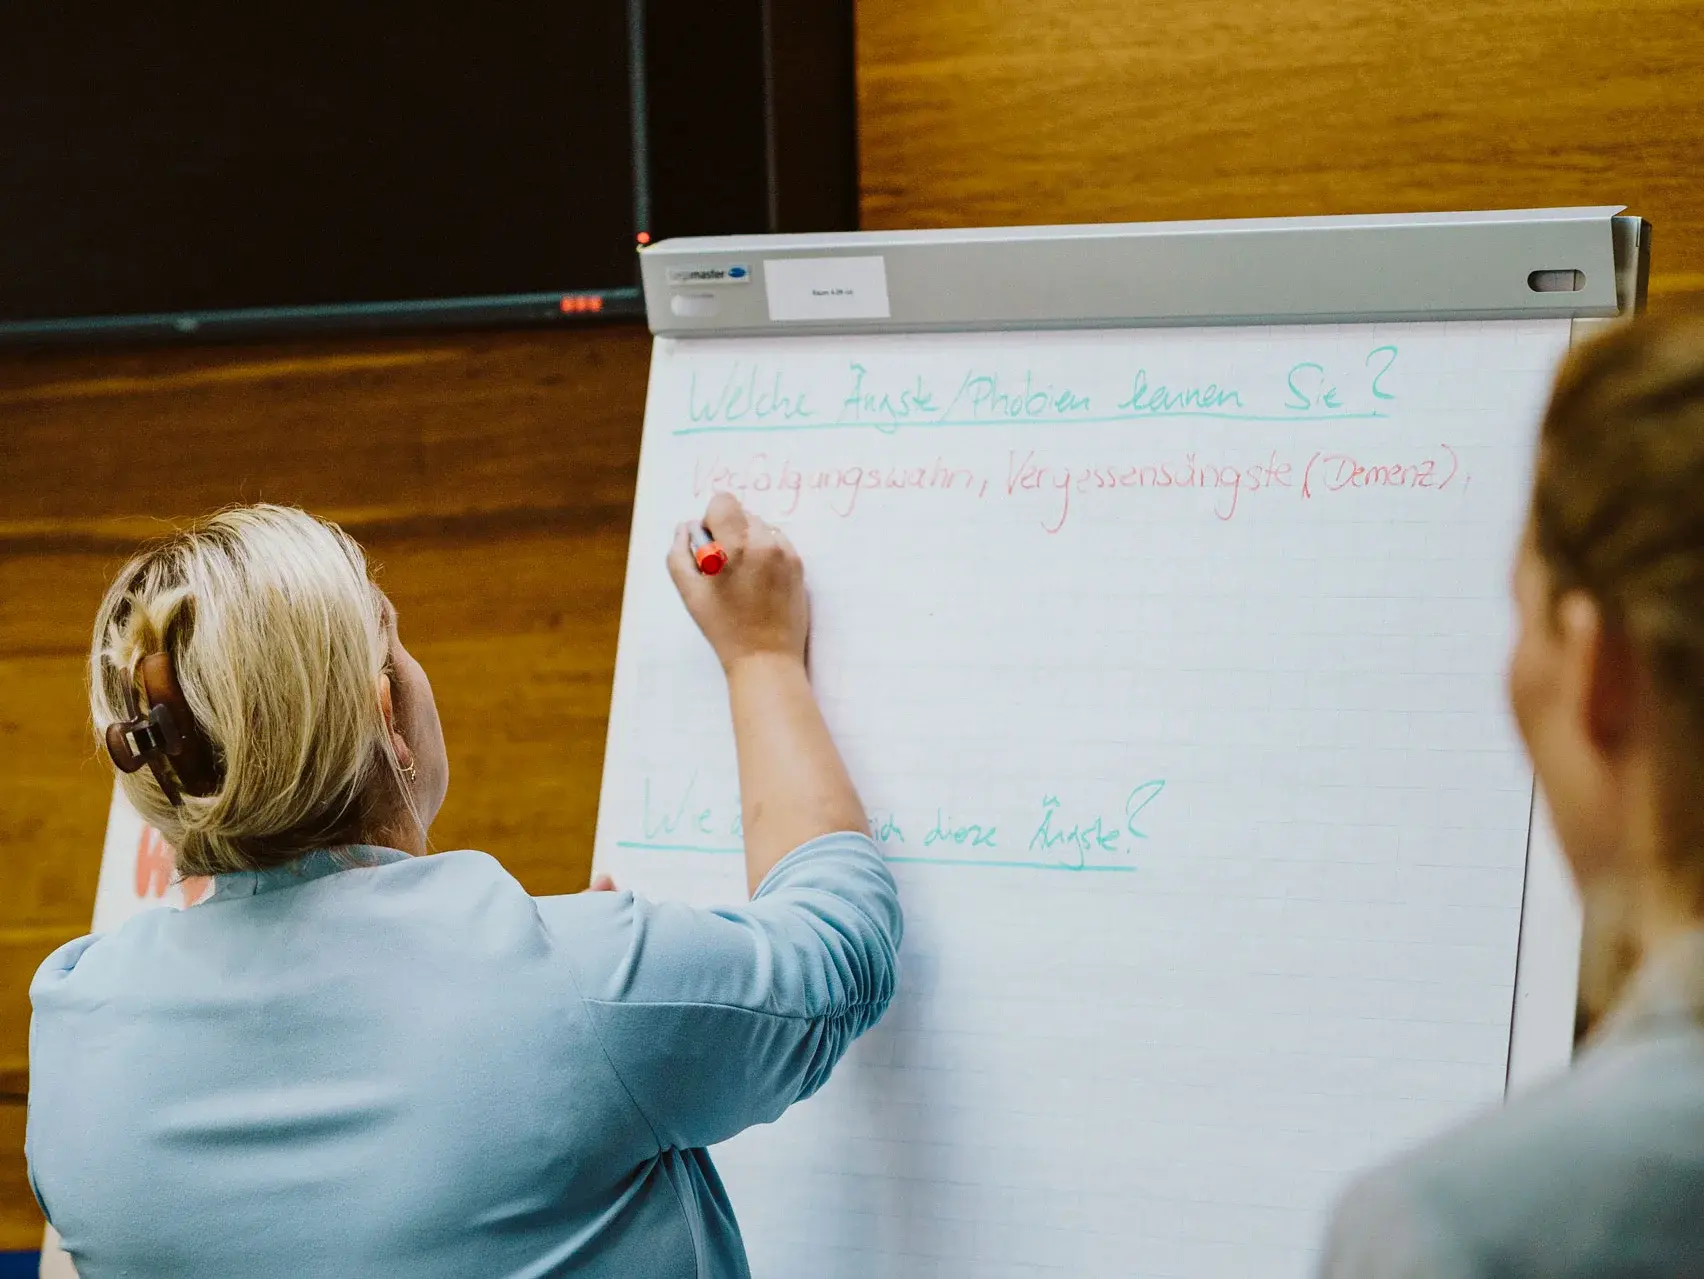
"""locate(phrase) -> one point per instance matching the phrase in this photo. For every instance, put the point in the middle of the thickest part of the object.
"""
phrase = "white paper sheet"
(1169, 667)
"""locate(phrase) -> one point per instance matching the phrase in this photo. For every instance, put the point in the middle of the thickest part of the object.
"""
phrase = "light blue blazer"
(1599, 1174)
(413, 1068)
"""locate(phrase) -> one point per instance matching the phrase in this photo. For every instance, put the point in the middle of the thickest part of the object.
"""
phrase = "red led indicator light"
(644, 237)
(575, 303)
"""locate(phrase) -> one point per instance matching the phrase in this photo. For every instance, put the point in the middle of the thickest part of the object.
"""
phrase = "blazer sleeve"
(717, 1019)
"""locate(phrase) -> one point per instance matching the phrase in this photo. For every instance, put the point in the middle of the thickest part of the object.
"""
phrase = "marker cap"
(712, 559)
(707, 552)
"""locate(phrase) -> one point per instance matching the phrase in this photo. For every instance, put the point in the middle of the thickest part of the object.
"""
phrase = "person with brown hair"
(1600, 1172)
(357, 1059)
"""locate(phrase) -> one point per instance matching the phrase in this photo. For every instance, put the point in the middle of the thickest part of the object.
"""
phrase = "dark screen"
(184, 157)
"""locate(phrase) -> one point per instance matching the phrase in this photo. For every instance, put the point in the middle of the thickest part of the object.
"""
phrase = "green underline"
(893, 428)
(680, 848)
(991, 863)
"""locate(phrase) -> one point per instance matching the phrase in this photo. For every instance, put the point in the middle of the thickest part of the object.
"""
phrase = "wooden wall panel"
(20, 1219)
(1032, 111)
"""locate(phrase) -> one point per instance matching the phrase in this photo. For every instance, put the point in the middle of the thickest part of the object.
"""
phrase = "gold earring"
(411, 772)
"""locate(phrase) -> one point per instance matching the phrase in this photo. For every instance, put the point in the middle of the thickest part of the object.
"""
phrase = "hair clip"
(167, 739)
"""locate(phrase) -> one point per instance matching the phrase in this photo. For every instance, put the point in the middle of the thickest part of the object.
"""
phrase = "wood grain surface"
(491, 476)
(1034, 111)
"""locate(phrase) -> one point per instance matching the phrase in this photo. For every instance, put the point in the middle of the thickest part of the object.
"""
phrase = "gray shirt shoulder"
(1600, 1173)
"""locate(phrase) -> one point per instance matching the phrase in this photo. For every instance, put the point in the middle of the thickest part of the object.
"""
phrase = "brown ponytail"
(1618, 512)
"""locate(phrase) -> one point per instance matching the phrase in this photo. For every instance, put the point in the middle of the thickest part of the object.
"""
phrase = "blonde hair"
(279, 639)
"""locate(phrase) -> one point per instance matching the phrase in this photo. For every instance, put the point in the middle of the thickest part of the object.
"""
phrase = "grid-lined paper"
(1168, 664)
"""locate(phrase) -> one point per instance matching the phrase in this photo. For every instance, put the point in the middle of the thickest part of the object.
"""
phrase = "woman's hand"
(757, 605)
(756, 615)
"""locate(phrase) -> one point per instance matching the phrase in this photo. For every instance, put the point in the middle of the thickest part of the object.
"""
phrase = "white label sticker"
(826, 288)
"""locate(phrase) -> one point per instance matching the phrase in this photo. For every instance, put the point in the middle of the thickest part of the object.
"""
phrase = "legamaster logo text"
(709, 274)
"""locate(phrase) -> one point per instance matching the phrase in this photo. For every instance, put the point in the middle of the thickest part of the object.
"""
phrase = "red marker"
(706, 550)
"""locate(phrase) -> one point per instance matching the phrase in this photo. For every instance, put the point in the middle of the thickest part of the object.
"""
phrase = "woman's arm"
(793, 785)
(756, 615)
(714, 1020)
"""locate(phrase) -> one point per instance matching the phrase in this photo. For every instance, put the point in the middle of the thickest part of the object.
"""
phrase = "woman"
(355, 1059)
(1601, 1173)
